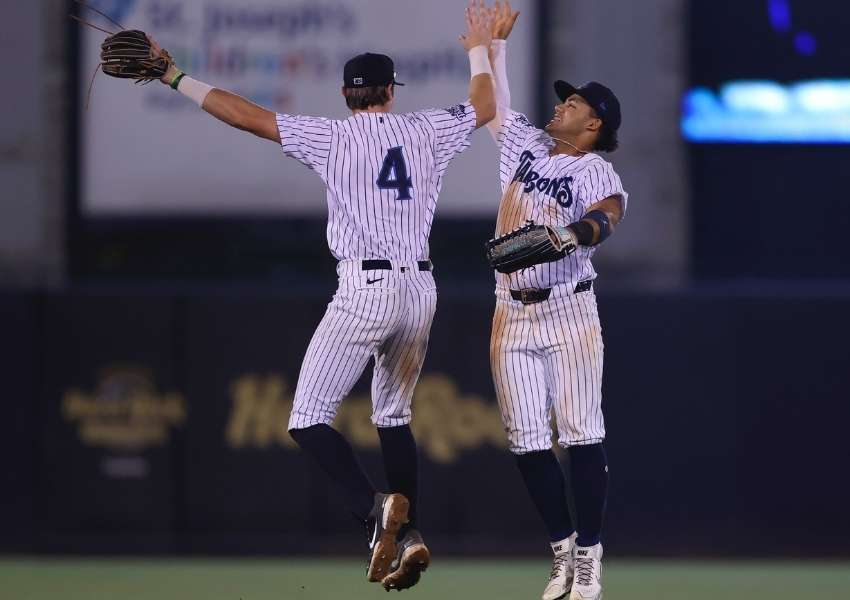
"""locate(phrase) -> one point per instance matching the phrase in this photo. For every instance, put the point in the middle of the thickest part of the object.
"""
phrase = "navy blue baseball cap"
(599, 97)
(369, 70)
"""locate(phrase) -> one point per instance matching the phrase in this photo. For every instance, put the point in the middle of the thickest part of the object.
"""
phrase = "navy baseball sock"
(401, 463)
(589, 471)
(336, 456)
(545, 481)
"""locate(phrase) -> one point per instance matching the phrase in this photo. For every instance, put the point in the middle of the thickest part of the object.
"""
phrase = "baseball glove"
(528, 246)
(129, 54)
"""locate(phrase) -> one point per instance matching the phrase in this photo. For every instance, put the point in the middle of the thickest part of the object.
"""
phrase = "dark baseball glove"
(528, 246)
(130, 55)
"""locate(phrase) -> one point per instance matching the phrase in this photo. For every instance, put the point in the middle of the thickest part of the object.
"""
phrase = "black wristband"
(583, 231)
(601, 219)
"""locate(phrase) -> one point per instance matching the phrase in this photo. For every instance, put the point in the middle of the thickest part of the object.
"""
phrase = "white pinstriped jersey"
(552, 190)
(383, 174)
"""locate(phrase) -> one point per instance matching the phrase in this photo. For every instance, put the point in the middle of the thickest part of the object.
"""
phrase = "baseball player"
(546, 345)
(383, 173)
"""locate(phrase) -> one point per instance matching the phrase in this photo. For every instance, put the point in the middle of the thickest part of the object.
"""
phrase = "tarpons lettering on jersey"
(560, 189)
(555, 189)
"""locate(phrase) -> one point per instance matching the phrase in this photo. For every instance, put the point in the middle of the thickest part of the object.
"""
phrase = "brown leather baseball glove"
(129, 54)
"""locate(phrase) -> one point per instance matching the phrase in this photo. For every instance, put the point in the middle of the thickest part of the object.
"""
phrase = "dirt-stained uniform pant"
(385, 314)
(548, 356)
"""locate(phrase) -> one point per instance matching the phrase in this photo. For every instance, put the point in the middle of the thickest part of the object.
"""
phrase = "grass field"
(180, 579)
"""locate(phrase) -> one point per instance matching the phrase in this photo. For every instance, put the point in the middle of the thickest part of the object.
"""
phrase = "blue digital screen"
(768, 71)
(816, 111)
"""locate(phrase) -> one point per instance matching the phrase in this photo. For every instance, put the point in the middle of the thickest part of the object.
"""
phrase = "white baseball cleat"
(561, 577)
(587, 566)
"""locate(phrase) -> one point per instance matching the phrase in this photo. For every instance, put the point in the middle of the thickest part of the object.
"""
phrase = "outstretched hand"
(503, 18)
(478, 26)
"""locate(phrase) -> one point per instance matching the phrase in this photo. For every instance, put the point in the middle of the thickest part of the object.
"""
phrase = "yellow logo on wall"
(124, 412)
(445, 422)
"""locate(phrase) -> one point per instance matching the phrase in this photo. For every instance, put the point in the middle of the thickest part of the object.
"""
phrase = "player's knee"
(525, 442)
(391, 420)
(519, 450)
(392, 414)
(297, 434)
(308, 412)
(306, 437)
(581, 436)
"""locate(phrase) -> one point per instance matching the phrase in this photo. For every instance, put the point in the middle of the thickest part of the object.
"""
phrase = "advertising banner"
(247, 475)
(287, 56)
(165, 428)
(113, 417)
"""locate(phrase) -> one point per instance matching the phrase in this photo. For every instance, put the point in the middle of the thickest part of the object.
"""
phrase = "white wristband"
(479, 61)
(194, 89)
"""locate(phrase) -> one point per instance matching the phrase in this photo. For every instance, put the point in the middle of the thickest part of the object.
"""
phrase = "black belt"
(533, 296)
(385, 265)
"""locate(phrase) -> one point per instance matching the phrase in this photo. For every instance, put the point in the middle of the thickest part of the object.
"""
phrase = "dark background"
(739, 40)
(762, 210)
(715, 448)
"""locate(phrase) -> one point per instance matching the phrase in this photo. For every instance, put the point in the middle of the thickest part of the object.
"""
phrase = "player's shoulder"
(518, 129)
(303, 117)
(594, 163)
(518, 119)
(455, 112)
(591, 159)
(306, 120)
(599, 177)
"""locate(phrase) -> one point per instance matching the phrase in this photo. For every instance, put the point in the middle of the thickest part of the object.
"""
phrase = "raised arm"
(503, 19)
(476, 41)
(225, 106)
(498, 60)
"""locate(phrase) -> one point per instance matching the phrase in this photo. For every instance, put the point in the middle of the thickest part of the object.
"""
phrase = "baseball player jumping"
(546, 345)
(383, 173)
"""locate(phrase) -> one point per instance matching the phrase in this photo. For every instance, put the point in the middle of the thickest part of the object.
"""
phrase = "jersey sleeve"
(306, 139)
(599, 181)
(452, 129)
(501, 87)
(512, 139)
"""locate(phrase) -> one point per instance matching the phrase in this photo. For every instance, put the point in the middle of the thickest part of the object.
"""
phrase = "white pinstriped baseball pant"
(547, 357)
(389, 320)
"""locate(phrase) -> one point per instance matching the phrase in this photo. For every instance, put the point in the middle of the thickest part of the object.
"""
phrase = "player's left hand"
(478, 26)
(132, 54)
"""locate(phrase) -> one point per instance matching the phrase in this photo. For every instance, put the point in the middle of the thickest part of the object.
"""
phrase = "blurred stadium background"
(160, 276)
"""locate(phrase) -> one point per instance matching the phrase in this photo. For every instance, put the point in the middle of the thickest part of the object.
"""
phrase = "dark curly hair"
(363, 98)
(607, 140)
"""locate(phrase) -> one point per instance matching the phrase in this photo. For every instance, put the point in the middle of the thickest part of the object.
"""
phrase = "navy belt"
(385, 265)
(533, 296)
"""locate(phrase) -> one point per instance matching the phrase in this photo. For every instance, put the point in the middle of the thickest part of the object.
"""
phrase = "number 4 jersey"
(383, 174)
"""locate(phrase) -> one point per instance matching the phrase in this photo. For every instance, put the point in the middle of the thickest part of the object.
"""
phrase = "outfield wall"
(154, 422)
